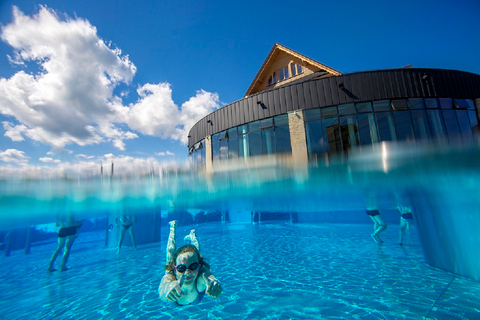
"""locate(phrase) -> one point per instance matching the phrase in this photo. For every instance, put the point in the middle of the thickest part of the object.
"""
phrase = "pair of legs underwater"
(63, 242)
(123, 229)
(379, 225)
(172, 241)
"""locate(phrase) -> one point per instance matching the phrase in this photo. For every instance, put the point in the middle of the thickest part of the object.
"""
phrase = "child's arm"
(214, 288)
(169, 289)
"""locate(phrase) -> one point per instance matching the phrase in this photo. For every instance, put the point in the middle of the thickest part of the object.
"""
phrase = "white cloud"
(163, 154)
(49, 160)
(13, 155)
(70, 99)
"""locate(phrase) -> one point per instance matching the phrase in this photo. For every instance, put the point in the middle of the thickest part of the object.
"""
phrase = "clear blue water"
(268, 271)
(325, 266)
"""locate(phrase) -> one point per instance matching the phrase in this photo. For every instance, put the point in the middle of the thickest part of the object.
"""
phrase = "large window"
(266, 136)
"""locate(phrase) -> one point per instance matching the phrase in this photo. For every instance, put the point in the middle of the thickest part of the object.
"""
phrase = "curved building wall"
(342, 112)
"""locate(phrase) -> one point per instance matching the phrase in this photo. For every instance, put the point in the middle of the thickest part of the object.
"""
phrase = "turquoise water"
(324, 265)
(268, 271)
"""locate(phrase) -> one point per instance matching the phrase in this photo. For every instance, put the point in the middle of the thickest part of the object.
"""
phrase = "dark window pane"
(437, 127)
(474, 123)
(215, 147)
(255, 143)
(223, 136)
(416, 103)
(329, 112)
(282, 77)
(311, 115)
(232, 146)
(465, 127)
(281, 120)
(386, 129)
(403, 124)
(294, 69)
(364, 107)
(349, 131)
(254, 126)
(332, 132)
(445, 103)
(420, 125)
(431, 103)
(285, 70)
(266, 123)
(299, 69)
(274, 78)
(399, 104)
(367, 128)
(282, 139)
(381, 105)
(315, 138)
(451, 125)
(473, 118)
(462, 104)
(345, 109)
(268, 141)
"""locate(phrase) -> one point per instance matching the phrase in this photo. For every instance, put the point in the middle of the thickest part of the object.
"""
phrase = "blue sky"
(85, 83)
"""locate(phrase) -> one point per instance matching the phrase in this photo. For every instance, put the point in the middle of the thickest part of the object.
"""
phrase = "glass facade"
(337, 129)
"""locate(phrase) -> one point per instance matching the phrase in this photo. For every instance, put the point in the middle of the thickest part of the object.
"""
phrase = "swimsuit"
(199, 296)
(373, 212)
(68, 231)
(407, 215)
(126, 226)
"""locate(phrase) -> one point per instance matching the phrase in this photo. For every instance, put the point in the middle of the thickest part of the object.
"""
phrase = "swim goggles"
(182, 268)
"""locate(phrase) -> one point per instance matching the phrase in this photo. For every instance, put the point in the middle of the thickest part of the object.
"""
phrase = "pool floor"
(268, 271)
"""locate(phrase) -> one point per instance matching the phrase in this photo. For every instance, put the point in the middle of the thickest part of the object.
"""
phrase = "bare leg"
(132, 236)
(193, 239)
(379, 226)
(60, 245)
(120, 239)
(66, 252)
(172, 241)
(403, 229)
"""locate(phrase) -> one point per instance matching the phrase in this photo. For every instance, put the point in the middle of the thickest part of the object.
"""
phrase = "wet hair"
(170, 266)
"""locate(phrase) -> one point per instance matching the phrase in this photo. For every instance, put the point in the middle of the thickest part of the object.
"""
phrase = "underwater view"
(285, 243)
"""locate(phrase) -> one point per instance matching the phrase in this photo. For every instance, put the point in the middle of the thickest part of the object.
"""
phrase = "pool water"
(274, 270)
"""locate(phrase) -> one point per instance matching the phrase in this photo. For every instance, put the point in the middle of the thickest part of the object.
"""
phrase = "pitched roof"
(264, 72)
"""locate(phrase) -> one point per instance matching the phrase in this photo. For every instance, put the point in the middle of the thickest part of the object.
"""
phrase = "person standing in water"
(379, 224)
(406, 218)
(126, 222)
(188, 276)
(66, 237)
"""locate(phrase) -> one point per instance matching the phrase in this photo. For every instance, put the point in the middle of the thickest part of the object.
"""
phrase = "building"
(309, 112)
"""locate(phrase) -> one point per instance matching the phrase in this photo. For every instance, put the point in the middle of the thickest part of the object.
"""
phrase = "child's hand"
(175, 291)
(214, 288)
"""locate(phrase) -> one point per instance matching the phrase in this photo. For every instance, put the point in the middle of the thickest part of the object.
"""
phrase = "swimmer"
(126, 223)
(379, 224)
(406, 218)
(66, 237)
(188, 276)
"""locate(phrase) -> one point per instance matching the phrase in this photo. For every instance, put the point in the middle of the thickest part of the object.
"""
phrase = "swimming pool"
(271, 270)
(319, 262)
